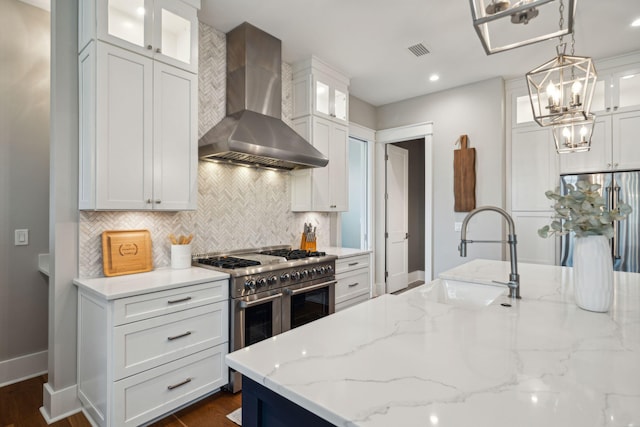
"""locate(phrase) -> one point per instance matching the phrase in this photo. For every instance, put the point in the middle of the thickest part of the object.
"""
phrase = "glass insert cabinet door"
(163, 29)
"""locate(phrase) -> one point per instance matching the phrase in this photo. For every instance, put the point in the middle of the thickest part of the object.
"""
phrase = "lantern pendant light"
(574, 136)
(561, 90)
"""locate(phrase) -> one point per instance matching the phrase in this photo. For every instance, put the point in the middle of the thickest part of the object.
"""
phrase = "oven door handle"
(247, 304)
(309, 288)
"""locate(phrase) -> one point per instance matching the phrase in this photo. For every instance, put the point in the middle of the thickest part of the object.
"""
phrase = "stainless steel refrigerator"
(616, 186)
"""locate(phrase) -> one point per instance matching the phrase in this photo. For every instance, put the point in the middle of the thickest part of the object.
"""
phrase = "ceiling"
(368, 39)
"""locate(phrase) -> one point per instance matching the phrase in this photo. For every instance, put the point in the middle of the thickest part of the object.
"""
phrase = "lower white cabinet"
(531, 247)
(143, 356)
(353, 278)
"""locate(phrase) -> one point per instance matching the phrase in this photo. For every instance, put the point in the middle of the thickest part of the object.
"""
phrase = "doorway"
(355, 223)
(419, 207)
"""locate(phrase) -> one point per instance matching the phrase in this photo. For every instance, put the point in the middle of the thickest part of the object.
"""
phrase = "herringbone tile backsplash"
(238, 207)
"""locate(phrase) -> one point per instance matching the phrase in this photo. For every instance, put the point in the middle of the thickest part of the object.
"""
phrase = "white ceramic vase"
(593, 273)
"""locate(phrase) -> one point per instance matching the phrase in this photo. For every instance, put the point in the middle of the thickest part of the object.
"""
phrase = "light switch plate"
(22, 237)
(457, 226)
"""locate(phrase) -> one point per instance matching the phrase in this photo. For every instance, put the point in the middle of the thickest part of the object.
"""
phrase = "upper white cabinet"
(533, 168)
(320, 90)
(165, 30)
(617, 91)
(138, 132)
(613, 146)
(320, 114)
(322, 189)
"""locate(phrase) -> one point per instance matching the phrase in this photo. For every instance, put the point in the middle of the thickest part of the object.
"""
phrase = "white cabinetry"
(318, 89)
(165, 30)
(145, 355)
(612, 146)
(533, 172)
(353, 280)
(320, 114)
(322, 189)
(138, 124)
(138, 104)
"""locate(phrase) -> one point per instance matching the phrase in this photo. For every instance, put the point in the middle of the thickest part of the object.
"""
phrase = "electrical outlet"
(22, 237)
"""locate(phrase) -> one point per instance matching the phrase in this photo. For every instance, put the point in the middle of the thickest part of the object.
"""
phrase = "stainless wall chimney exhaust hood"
(253, 132)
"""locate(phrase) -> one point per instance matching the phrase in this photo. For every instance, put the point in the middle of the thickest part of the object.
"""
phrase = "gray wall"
(362, 113)
(416, 203)
(24, 177)
(478, 111)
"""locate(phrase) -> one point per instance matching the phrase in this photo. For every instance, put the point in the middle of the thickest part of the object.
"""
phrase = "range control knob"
(304, 273)
(285, 277)
(250, 285)
(272, 280)
(323, 269)
(316, 270)
(329, 268)
(262, 282)
(295, 275)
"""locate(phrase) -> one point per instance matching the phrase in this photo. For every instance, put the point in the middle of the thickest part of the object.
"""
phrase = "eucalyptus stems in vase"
(583, 211)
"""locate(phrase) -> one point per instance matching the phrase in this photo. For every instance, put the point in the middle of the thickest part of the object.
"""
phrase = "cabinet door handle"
(353, 284)
(157, 202)
(158, 50)
(149, 47)
(175, 301)
(187, 381)
(148, 200)
(353, 263)
(332, 206)
(615, 108)
(175, 337)
(608, 109)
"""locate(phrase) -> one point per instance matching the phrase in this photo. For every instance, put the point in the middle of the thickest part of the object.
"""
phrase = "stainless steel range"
(273, 290)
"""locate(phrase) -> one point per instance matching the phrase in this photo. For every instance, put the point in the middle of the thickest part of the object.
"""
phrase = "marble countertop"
(160, 279)
(406, 361)
(344, 252)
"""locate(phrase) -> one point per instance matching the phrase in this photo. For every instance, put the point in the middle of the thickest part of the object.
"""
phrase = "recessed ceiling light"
(636, 23)
(434, 77)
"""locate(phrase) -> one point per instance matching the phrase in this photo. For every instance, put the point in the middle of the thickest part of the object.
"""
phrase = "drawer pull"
(353, 263)
(171, 387)
(175, 301)
(353, 284)
(175, 337)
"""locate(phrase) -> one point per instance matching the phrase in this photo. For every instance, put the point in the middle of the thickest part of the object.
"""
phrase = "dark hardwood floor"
(20, 407)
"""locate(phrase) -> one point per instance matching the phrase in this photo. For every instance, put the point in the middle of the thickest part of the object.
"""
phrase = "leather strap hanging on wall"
(464, 177)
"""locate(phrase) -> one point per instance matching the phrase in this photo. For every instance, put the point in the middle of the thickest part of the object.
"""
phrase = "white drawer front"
(152, 393)
(352, 284)
(348, 264)
(145, 306)
(143, 345)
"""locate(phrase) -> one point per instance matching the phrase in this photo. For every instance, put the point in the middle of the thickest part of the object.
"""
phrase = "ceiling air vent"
(418, 49)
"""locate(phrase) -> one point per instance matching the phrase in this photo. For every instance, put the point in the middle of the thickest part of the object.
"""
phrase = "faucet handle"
(509, 284)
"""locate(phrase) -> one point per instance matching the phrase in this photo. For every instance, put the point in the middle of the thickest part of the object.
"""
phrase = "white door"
(397, 218)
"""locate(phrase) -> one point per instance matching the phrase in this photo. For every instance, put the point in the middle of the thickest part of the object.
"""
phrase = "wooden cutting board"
(126, 252)
(464, 177)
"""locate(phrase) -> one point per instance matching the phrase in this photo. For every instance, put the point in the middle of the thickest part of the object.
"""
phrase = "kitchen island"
(406, 361)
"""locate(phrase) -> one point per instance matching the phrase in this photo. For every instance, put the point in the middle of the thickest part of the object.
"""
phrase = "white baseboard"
(57, 405)
(414, 276)
(22, 368)
(379, 289)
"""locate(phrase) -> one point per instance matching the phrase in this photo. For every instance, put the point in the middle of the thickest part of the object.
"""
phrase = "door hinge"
(386, 235)
(386, 274)
(386, 196)
(406, 235)
(386, 157)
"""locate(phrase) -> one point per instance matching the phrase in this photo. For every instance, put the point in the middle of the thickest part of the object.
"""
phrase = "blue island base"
(262, 407)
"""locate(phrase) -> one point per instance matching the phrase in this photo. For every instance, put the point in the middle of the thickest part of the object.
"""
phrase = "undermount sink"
(455, 292)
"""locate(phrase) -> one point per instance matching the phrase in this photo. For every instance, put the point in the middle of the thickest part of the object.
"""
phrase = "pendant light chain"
(561, 23)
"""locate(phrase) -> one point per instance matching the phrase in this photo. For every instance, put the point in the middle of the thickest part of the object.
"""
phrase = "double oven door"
(266, 314)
